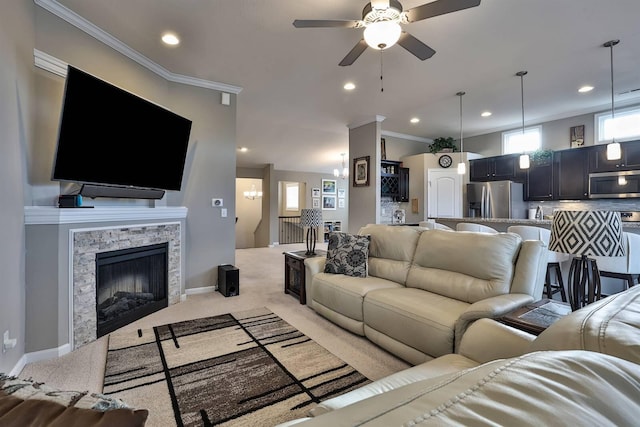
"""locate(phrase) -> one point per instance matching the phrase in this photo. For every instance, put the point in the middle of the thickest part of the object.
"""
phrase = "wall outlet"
(217, 203)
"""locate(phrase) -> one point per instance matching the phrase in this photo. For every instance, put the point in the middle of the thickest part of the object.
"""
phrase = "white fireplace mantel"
(37, 215)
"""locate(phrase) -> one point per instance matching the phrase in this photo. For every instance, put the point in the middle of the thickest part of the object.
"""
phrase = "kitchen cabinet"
(571, 174)
(539, 183)
(496, 168)
(394, 181)
(630, 158)
(403, 185)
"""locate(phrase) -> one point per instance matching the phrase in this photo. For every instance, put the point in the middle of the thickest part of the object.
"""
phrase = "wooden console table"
(294, 276)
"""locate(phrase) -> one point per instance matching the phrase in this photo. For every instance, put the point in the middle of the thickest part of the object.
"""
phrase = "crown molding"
(99, 34)
(366, 121)
(49, 63)
(405, 136)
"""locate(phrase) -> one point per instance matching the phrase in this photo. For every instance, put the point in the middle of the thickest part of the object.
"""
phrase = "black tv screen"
(110, 136)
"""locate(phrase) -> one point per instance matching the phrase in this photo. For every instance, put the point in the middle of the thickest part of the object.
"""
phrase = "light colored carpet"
(261, 285)
(239, 369)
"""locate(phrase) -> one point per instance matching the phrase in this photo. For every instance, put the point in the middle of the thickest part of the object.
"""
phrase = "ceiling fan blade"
(438, 7)
(324, 23)
(354, 54)
(415, 46)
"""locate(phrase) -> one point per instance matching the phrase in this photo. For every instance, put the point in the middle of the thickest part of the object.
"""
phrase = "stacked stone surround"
(86, 243)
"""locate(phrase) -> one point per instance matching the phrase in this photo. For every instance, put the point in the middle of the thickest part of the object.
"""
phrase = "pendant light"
(614, 152)
(462, 167)
(524, 157)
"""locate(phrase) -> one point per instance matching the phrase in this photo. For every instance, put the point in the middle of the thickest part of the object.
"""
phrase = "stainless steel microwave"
(614, 185)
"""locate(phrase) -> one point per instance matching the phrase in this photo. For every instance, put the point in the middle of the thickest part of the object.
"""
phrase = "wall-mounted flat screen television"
(111, 137)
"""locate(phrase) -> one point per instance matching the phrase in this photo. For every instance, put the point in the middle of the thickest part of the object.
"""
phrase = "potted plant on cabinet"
(443, 145)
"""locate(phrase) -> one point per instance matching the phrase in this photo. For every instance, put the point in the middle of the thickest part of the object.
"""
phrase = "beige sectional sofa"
(425, 287)
(583, 370)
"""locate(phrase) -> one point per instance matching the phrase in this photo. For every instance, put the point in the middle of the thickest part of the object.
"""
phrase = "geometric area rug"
(247, 368)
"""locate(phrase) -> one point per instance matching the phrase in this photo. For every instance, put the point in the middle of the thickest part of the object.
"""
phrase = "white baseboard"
(203, 290)
(37, 356)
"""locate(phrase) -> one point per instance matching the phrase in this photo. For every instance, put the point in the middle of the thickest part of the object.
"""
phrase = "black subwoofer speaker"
(228, 280)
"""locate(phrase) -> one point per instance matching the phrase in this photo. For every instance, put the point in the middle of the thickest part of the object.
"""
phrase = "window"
(625, 127)
(291, 197)
(515, 141)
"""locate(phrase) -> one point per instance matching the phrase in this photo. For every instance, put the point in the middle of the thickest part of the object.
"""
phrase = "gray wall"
(267, 232)
(30, 101)
(16, 106)
(364, 202)
(555, 136)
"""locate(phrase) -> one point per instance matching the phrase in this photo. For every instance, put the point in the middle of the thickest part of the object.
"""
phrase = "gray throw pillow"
(347, 254)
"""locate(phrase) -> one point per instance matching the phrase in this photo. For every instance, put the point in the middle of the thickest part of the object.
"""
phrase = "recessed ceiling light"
(349, 86)
(415, 120)
(486, 113)
(584, 89)
(244, 149)
(170, 39)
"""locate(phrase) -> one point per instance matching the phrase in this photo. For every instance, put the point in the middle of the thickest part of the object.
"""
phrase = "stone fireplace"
(89, 246)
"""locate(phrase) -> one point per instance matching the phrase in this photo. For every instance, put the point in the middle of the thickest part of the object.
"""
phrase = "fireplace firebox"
(130, 284)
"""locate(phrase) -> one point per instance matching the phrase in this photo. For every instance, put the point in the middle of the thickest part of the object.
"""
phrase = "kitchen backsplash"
(600, 204)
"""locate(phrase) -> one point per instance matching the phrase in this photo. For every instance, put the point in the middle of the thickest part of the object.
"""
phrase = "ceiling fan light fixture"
(382, 34)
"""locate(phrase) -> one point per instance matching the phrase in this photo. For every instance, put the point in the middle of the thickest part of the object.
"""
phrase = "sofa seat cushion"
(419, 319)
(344, 294)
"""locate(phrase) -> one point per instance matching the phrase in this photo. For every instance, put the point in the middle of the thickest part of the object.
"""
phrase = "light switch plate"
(223, 212)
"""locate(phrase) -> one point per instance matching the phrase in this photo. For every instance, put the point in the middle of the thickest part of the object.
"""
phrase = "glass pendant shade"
(382, 35)
(462, 168)
(524, 161)
(614, 152)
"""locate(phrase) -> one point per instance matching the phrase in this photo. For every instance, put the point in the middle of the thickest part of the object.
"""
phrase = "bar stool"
(626, 267)
(478, 228)
(554, 259)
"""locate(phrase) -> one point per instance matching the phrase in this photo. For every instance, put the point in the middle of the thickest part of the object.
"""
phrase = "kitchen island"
(501, 224)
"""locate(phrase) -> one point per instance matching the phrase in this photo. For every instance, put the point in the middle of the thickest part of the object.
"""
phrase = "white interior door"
(444, 193)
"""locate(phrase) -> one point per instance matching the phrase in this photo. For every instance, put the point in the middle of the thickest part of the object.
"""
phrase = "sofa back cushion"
(466, 266)
(391, 250)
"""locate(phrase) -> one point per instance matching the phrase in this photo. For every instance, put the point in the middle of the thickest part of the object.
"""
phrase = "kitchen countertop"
(546, 223)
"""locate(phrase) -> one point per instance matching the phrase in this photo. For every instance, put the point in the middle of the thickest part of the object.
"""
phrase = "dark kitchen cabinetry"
(630, 158)
(539, 183)
(495, 169)
(394, 181)
(571, 174)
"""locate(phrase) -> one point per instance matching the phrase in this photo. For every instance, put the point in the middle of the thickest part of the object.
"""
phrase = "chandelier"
(252, 194)
(345, 170)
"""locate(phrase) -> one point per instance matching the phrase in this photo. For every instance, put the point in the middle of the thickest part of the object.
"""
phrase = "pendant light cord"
(611, 45)
(460, 94)
(381, 81)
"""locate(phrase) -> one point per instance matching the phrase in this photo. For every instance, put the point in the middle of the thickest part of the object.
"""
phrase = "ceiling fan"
(381, 21)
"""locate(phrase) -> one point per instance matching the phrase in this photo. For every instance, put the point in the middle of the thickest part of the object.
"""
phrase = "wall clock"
(445, 161)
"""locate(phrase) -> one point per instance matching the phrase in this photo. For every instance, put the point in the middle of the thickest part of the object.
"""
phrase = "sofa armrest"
(486, 340)
(491, 308)
(312, 266)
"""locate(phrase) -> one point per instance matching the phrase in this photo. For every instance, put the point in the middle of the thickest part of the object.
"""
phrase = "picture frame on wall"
(341, 193)
(329, 186)
(315, 192)
(341, 203)
(576, 136)
(329, 203)
(361, 171)
(315, 203)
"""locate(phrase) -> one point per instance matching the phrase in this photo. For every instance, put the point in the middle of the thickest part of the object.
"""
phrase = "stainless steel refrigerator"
(496, 199)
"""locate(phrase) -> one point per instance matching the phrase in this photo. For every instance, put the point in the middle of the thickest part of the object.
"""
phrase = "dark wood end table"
(294, 275)
(537, 316)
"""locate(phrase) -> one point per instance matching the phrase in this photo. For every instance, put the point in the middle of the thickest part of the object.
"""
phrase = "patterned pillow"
(347, 254)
